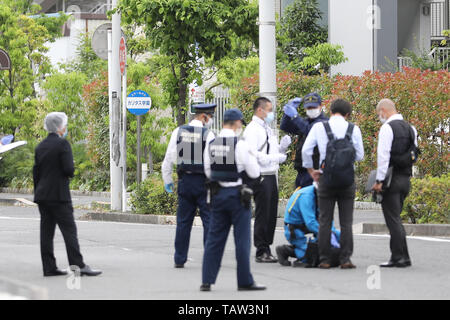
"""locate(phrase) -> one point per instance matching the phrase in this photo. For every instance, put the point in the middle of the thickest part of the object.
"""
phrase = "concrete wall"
(385, 36)
(348, 26)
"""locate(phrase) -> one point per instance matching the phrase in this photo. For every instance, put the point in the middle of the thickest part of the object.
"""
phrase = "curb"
(72, 192)
(17, 202)
(134, 218)
(359, 205)
(428, 230)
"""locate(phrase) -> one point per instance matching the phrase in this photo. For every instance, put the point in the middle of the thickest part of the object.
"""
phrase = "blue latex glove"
(334, 241)
(290, 109)
(168, 187)
(296, 102)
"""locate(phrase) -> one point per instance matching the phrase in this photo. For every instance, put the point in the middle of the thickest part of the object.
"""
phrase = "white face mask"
(313, 113)
(382, 120)
(270, 117)
(238, 132)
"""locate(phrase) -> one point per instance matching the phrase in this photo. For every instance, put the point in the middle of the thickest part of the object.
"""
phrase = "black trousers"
(327, 199)
(266, 211)
(392, 205)
(60, 214)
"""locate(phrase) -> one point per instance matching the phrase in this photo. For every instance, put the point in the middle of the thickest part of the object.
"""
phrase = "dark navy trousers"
(228, 211)
(191, 195)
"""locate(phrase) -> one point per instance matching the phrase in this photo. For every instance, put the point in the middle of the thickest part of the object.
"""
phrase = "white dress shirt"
(244, 160)
(170, 158)
(318, 136)
(385, 139)
(255, 134)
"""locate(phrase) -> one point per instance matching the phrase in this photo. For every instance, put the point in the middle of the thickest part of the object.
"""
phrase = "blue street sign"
(139, 102)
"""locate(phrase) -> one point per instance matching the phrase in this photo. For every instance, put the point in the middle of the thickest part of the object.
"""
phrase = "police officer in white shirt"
(264, 144)
(328, 195)
(229, 163)
(185, 149)
(396, 141)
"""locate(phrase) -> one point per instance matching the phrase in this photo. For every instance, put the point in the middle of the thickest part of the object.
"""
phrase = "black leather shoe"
(178, 266)
(402, 263)
(283, 255)
(266, 258)
(389, 264)
(252, 287)
(87, 271)
(56, 272)
(205, 287)
(300, 264)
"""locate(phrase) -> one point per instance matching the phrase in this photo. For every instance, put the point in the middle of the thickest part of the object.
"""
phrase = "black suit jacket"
(52, 169)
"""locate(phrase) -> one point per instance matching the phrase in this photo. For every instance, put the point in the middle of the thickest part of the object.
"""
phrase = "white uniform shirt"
(244, 160)
(256, 134)
(318, 136)
(385, 139)
(171, 154)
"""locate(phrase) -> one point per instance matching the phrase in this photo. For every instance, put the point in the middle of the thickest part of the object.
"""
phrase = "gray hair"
(55, 121)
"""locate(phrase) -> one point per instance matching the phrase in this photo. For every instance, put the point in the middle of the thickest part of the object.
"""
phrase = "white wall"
(64, 49)
(347, 21)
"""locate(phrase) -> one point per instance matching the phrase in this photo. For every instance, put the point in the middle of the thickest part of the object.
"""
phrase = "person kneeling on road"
(300, 219)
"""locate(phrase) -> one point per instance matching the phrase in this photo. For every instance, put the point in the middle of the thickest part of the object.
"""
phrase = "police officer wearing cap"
(185, 149)
(230, 164)
(294, 124)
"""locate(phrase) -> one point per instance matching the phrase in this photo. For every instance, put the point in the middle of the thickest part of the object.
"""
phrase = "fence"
(403, 62)
(221, 98)
(441, 57)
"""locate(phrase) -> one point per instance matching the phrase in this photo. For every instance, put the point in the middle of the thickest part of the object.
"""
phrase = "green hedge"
(428, 201)
(150, 197)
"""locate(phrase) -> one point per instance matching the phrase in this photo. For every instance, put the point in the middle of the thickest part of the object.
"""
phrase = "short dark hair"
(341, 106)
(260, 102)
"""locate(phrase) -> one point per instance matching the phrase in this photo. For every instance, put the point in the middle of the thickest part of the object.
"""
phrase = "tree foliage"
(299, 28)
(189, 30)
(24, 38)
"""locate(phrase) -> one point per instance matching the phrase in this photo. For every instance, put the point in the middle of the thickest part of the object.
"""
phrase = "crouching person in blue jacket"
(301, 219)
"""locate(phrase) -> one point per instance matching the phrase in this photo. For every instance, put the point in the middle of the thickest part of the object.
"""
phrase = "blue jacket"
(301, 209)
(300, 126)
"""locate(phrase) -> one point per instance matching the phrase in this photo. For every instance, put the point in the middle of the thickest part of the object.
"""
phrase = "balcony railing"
(440, 17)
(403, 62)
(441, 56)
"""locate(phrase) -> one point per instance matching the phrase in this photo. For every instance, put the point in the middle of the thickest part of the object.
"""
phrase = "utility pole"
(267, 53)
(114, 80)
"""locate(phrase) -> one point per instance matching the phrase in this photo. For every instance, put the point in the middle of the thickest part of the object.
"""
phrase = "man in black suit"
(51, 172)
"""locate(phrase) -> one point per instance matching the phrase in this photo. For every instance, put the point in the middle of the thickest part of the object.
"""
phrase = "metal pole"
(138, 169)
(124, 140)
(267, 52)
(115, 86)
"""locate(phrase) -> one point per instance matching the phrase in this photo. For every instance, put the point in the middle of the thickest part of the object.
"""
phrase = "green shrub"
(428, 201)
(150, 197)
(286, 180)
(16, 168)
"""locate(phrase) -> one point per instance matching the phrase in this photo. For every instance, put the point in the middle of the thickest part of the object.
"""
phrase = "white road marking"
(171, 226)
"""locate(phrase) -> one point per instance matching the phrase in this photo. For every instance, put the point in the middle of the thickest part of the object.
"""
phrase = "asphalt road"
(137, 261)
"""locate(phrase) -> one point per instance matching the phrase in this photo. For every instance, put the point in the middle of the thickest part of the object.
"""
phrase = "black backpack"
(407, 158)
(338, 170)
